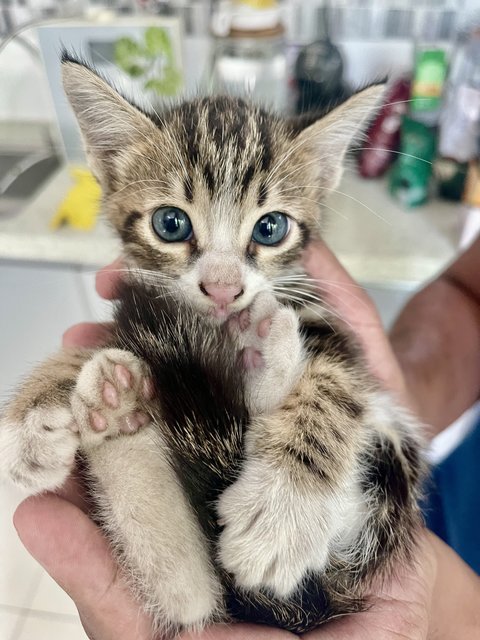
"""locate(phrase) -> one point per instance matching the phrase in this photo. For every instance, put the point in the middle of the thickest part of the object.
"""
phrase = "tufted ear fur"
(329, 138)
(108, 122)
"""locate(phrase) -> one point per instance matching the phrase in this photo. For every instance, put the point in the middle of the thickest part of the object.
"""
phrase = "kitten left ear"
(330, 137)
(109, 124)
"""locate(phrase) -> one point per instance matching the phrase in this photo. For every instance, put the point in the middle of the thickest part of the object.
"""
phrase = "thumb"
(75, 553)
(352, 305)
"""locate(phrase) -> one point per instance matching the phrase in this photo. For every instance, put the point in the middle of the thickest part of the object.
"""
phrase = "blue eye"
(172, 224)
(271, 229)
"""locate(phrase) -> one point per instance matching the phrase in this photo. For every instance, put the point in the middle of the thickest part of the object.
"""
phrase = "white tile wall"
(38, 626)
(10, 619)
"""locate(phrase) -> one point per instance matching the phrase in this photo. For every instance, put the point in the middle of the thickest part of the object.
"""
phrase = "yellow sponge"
(81, 205)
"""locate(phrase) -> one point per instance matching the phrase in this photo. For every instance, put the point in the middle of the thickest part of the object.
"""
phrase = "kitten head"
(215, 196)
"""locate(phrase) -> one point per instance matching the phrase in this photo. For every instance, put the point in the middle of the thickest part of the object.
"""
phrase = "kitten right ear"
(108, 122)
(329, 137)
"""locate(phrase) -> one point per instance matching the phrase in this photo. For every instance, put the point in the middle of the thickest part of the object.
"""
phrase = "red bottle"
(383, 137)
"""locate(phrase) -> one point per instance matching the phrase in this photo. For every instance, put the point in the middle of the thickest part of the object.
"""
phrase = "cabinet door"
(37, 304)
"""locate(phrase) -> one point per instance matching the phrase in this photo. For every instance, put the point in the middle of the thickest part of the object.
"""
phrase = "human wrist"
(455, 610)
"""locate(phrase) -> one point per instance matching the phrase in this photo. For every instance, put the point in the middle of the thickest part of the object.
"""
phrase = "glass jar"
(251, 64)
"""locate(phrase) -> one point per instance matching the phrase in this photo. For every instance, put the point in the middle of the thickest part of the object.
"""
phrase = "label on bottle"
(429, 77)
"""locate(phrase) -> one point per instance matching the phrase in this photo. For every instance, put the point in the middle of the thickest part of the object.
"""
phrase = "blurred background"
(408, 203)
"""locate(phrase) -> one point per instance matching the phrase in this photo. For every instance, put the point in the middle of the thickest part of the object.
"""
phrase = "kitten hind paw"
(271, 538)
(110, 398)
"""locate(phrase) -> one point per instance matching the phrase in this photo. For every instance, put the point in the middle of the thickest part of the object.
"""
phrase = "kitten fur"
(270, 493)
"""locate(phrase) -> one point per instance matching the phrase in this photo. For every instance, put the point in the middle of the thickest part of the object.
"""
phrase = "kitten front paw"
(38, 452)
(271, 351)
(273, 536)
(110, 396)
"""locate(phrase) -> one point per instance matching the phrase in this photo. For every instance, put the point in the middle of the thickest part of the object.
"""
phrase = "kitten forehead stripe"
(127, 232)
(209, 179)
(262, 194)
(246, 180)
(188, 189)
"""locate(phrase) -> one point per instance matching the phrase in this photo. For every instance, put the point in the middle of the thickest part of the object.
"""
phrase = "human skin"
(436, 340)
(436, 598)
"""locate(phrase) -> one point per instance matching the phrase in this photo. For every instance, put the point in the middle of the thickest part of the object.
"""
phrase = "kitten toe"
(123, 376)
(110, 395)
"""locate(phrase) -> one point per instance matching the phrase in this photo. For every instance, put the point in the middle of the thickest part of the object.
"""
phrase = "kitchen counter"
(378, 241)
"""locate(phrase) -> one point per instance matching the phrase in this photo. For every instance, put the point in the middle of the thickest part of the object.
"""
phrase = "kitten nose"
(221, 293)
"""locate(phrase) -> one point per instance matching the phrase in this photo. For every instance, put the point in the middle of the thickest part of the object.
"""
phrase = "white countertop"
(378, 241)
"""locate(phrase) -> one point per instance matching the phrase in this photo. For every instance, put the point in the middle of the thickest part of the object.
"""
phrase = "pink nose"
(221, 294)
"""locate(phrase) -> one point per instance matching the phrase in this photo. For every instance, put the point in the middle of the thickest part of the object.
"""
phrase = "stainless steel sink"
(21, 175)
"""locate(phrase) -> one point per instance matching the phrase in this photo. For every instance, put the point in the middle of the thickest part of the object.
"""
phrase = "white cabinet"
(37, 303)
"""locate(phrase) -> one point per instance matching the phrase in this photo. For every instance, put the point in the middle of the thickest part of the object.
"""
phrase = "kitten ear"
(329, 138)
(108, 122)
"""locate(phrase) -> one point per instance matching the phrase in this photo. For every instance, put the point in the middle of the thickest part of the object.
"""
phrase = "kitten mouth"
(221, 312)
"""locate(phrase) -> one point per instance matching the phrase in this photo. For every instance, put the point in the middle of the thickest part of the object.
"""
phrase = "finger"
(357, 310)
(78, 557)
(333, 279)
(73, 490)
(107, 279)
(87, 334)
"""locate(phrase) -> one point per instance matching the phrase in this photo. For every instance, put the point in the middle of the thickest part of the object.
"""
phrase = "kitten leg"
(141, 503)
(151, 524)
(298, 495)
(42, 428)
(38, 438)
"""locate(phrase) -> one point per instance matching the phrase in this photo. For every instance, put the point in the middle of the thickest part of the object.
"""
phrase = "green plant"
(140, 59)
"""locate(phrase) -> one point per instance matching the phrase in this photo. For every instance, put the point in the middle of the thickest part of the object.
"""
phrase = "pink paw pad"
(148, 390)
(123, 376)
(110, 395)
(98, 422)
(133, 422)
(244, 319)
(263, 328)
(251, 358)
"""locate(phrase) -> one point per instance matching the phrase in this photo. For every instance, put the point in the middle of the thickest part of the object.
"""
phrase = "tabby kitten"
(243, 462)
